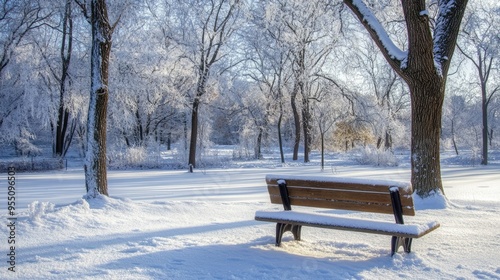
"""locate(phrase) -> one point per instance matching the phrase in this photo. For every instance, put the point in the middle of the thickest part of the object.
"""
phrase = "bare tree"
(64, 128)
(203, 28)
(269, 64)
(424, 67)
(63, 135)
(301, 26)
(17, 19)
(479, 44)
(387, 89)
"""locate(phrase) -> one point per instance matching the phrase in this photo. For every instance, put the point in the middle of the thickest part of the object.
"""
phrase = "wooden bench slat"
(343, 205)
(329, 182)
(339, 194)
(343, 223)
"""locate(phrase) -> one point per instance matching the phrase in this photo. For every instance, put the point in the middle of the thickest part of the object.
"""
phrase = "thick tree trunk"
(95, 160)
(427, 99)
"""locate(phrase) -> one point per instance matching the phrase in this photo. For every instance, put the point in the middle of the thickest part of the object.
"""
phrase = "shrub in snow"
(32, 164)
(26, 148)
(135, 157)
(38, 209)
(370, 155)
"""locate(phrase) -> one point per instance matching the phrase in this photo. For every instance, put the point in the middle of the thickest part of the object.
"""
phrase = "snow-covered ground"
(176, 225)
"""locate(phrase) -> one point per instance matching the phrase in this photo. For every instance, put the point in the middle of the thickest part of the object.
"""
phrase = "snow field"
(176, 225)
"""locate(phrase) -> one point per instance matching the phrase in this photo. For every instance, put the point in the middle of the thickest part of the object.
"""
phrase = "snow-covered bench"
(387, 197)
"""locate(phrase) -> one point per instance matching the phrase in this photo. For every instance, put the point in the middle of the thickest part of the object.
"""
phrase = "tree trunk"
(322, 150)
(453, 136)
(296, 120)
(61, 128)
(169, 141)
(194, 132)
(306, 125)
(484, 107)
(491, 137)
(62, 138)
(258, 145)
(388, 140)
(280, 138)
(427, 99)
(95, 158)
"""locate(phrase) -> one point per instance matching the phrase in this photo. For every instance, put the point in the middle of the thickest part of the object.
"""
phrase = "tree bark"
(95, 160)
(427, 99)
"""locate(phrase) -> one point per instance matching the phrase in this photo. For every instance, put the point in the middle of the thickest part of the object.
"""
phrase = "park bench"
(384, 197)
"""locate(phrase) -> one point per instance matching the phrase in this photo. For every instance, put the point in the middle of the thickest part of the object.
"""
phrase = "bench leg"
(397, 242)
(282, 228)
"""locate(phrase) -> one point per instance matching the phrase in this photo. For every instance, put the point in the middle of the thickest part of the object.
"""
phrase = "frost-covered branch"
(394, 55)
(445, 34)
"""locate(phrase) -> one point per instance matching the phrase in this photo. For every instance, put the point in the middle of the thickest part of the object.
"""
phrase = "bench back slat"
(355, 196)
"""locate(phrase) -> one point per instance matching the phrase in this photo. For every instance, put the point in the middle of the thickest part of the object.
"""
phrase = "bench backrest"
(341, 193)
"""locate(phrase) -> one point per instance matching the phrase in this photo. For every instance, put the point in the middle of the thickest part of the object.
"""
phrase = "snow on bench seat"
(344, 223)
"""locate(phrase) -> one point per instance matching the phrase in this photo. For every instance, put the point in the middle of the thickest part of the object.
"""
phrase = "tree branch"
(394, 56)
(446, 32)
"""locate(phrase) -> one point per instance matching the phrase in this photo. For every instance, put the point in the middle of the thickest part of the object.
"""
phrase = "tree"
(268, 66)
(95, 155)
(479, 44)
(455, 117)
(64, 128)
(151, 85)
(424, 67)
(301, 26)
(385, 94)
(17, 19)
(204, 29)
(327, 113)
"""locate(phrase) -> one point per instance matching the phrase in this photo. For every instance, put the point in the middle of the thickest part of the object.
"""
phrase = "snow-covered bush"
(370, 155)
(32, 164)
(129, 157)
(148, 157)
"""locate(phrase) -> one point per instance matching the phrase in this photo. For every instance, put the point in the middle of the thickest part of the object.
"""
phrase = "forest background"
(261, 75)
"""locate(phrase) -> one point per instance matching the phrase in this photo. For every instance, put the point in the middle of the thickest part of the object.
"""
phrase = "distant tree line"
(296, 75)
